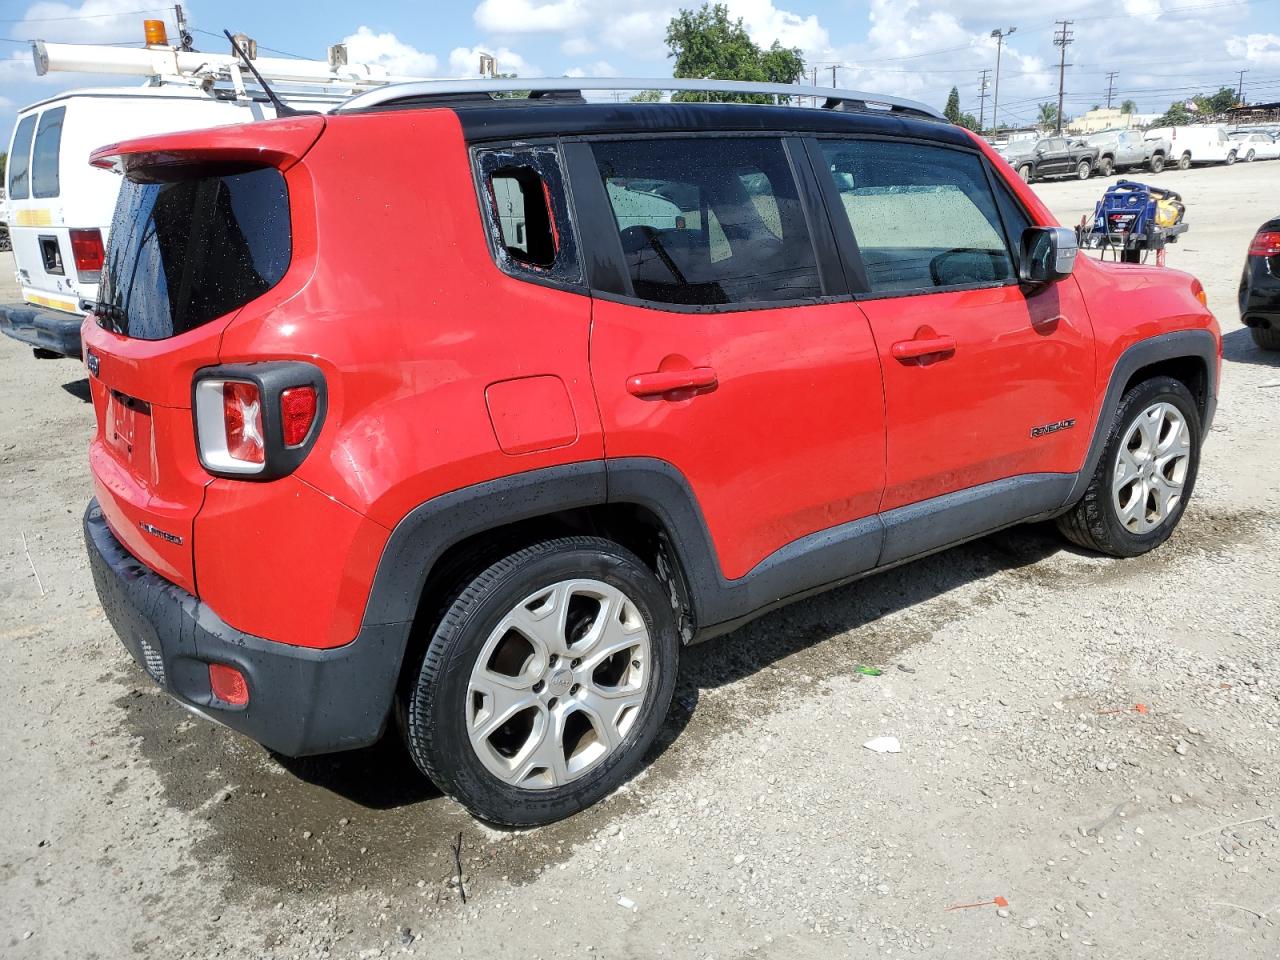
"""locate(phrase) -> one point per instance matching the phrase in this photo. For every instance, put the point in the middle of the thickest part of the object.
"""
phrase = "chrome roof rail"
(423, 92)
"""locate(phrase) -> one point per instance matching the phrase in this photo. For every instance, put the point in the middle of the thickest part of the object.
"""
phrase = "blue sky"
(1162, 49)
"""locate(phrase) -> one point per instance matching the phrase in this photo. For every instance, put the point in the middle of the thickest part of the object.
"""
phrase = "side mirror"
(1048, 254)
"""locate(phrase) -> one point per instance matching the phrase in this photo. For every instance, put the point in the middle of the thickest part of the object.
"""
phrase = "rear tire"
(1184, 162)
(1248, 157)
(1146, 473)
(1267, 338)
(545, 682)
(1106, 167)
(1083, 170)
(1156, 163)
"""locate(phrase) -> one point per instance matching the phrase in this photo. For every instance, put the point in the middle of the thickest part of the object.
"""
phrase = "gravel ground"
(761, 827)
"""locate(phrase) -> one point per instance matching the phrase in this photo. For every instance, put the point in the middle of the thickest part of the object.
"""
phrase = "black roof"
(521, 119)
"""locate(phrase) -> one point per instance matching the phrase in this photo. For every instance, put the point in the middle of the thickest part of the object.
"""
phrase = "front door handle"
(667, 381)
(923, 347)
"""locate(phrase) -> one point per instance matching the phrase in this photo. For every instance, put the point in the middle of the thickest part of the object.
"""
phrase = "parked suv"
(658, 369)
(1058, 157)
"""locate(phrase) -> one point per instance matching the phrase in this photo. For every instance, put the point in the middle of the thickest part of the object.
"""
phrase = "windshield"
(185, 252)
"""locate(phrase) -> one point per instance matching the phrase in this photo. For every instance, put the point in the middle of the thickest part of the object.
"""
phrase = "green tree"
(510, 94)
(706, 44)
(952, 110)
(647, 96)
(1214, 103)
(1048, 115)
(1176, 114)
(4, 165)
(969, 122)
(1128, 107)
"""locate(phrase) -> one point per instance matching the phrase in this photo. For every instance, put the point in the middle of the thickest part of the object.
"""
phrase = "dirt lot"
(761, 828)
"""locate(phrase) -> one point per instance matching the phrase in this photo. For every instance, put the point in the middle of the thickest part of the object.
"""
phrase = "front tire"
(1083, 169)
(1025, 172)
(1231, 158)
(1146, 473)
(545, 682)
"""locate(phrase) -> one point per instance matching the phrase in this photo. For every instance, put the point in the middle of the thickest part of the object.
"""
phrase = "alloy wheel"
(559, 684)
(1151, 468)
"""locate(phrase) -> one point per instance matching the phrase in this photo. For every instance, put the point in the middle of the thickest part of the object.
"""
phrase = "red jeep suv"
(464, 413)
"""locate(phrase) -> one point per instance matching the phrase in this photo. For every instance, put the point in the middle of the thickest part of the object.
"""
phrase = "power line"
(86, 16)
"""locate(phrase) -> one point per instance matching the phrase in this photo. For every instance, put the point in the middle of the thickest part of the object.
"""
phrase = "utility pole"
(185, 42)
(815, 83)
(1111, 86)
(1062, 39)
(1240, 87)
(995, 103)
(982, 98)
(834, 68)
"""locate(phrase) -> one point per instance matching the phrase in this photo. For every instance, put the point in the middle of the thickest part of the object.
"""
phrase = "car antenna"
(282, 108)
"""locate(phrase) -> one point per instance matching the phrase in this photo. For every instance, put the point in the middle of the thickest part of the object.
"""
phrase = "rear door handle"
(666, 381)
(926, 347)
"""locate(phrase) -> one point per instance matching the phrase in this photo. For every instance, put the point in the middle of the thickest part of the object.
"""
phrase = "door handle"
(924, 347)
(666, 381)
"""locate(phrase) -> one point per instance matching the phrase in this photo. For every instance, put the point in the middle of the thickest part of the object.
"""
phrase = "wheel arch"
(1189, 356)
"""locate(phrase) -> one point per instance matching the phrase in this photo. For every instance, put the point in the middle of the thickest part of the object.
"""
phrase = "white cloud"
(387, 50)
(577, 47)
(766, 23)
(506, 17)
(94, 21)
(465, 62)
(1259, 48)
(601, 68)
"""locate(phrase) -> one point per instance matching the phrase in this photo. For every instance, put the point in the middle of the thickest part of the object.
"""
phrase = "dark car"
(1058, 157)
(1260, 286)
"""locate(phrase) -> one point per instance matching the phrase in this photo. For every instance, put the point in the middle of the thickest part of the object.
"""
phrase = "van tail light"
(86, 248)
(297, 413)
(257, 421)
(1265, 244)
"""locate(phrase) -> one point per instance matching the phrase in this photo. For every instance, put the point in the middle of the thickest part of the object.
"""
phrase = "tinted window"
(44, 159)
(182, 253)
(19, 159)
(924, 217)
(709, 221)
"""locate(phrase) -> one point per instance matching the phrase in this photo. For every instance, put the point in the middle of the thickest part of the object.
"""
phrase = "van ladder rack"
(426, 92)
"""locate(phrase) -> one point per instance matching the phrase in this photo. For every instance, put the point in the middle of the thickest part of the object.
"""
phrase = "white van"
(1196, 143)
(60, 208)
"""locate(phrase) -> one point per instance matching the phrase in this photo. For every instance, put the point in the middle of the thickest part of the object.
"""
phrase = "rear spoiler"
(277, 143)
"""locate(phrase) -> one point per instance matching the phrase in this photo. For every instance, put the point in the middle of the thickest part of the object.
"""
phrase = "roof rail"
(423, 92)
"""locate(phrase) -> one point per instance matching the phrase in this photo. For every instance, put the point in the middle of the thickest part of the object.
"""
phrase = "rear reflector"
(228, 684)
(1265, 244)
(297, 413)
(86, 247)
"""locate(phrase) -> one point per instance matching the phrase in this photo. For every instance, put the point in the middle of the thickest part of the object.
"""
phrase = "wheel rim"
(1025, 173)
(559, 684)
(1151, 468)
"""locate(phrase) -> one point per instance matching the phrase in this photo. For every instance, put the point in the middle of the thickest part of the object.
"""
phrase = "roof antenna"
(282, 108)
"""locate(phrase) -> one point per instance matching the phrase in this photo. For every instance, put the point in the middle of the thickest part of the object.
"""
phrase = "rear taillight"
(1265, 244)
(228, 684)
(257, 421)
(86, 248)
(297, 413)
(229, 426)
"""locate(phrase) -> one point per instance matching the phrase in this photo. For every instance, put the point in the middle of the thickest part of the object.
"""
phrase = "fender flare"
(1180, 344)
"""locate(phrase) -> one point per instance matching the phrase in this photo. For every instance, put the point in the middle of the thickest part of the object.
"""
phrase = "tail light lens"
(1265, 244)
(229, 426)
(257, 421)
(86, 247)
(297, 413)
(1197, 291)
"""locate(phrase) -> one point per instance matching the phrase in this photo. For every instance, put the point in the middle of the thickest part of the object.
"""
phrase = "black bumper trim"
(301, 700)
(42, 329)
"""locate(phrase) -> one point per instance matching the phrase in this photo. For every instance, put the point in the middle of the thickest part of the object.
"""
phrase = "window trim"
(855, 266)
(569, 252)
(606, 271)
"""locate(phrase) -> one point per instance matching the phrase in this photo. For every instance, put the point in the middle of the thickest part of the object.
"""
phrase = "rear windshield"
(44, 159)
(185, 252)
(19, 157)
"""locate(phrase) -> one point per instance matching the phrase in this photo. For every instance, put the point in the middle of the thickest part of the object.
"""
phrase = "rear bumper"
(301, 700)
(43, 329)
